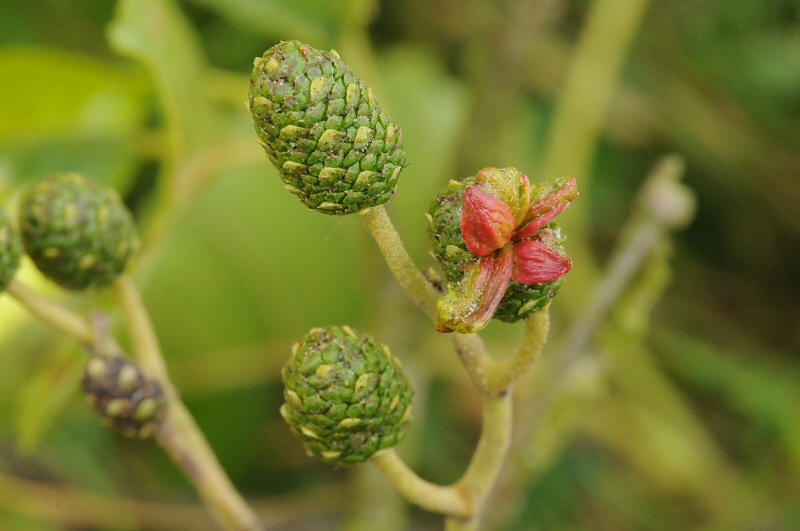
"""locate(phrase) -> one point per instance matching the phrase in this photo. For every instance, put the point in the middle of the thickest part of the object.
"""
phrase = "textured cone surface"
(10, 250)
(124, 395)
(323, 129)
(79, 234)
(346, 396)
(449, 248)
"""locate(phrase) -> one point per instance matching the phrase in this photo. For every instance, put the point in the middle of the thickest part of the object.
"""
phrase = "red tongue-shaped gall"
(469, 305)
(535, 263)
(487, 223)
(547, 208)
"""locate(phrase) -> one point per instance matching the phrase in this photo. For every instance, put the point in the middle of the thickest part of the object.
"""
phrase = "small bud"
(124, 395)
(10, 250)
(323, 130)
(346, 395)
(78, 233)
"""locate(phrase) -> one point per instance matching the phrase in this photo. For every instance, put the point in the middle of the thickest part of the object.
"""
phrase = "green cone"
(450, 250)
(10, 250)
(78, 233)
(322, 128)
(124, 395)
(346, 396)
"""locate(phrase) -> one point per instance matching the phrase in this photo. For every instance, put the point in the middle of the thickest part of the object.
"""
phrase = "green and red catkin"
(511, 262)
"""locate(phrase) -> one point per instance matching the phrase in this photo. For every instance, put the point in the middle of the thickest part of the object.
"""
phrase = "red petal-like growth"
(469, 306)
(487, 223)
(535, 263)
(548, 207)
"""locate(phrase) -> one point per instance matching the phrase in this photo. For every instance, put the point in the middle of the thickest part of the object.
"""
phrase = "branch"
(178, 433)
(419, 290)
(488, 459)
(52, 313)
(435, 498)
(537, 327)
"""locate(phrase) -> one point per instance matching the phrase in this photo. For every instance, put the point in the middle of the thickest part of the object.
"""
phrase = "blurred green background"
(679, 408)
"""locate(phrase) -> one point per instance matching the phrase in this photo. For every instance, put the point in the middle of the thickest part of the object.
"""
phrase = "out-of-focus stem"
(52, 313)
(178, 434)
(580, 115)
(664, 205)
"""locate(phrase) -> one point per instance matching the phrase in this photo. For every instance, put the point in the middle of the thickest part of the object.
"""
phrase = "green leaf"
(156, 33)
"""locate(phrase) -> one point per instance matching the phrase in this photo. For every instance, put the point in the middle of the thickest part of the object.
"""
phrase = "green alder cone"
(10, 250)
(324, 131)
(346, 395)
(78, 233)
(126, 397)
(443, 220)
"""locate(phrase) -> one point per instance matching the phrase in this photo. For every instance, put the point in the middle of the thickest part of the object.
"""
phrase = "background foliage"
(682, 413)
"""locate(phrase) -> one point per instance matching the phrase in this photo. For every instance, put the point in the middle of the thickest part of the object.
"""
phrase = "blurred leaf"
(430, 107)
(67, 112)
(155, 33)
(761, 392)
(44, 396)
(53, 94)
(248, 262)
(317, 22)
(101, 158)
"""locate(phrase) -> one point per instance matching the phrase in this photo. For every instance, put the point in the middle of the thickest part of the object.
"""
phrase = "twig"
(537, 328)
(476, 360)
(436, 498)
(469, 347)
(488, 459)
(461, 502)
(52, 313)
(178, 433)
(421, 292)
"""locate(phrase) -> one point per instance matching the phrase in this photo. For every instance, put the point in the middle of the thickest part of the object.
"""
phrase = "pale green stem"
(411, 279)
(469, 347)
(178, 434)
(60, 318)
(537, 327)
(488, 459)
(462, 502)
(440, 499)
(476, 360)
